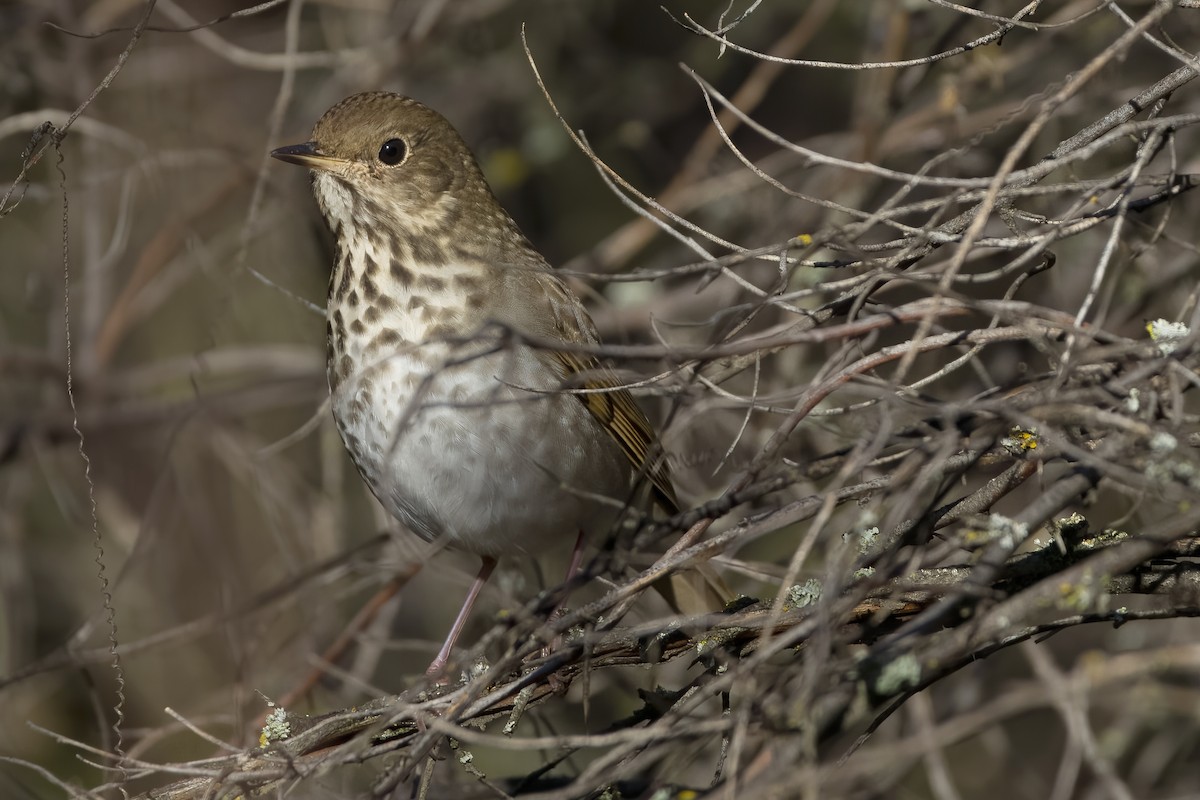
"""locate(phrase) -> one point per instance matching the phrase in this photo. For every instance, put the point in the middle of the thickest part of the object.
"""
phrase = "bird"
(461, 366)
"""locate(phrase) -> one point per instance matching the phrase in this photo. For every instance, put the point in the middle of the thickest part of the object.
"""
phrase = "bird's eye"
(392, 152)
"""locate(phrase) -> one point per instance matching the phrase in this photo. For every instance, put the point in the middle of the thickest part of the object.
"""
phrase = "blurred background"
(212, 511)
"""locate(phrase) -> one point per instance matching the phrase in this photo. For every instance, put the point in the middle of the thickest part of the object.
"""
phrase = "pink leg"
(576, 559)
(485, 571)
(572, 569)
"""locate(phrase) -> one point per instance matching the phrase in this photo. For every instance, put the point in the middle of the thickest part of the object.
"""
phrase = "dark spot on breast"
(344, 367)
(468, 283)
(364, 383)
(401, 273)
(369, 231)
(352, 298)
(460, 252)
(428, 250)
(433, 283)
(386, 338)
(370, 290)
(362, 403)
(357, 327)
(344, 282)
(371, 314)
(416, 302)
(440, 331)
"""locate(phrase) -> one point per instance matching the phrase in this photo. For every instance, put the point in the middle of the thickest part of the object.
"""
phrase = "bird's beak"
(307, 155)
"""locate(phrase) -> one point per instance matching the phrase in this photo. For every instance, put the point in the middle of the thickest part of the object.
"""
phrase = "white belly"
(469, 455)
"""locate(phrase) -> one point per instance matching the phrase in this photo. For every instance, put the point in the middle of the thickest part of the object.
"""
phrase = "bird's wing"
(562, 316)
(559, 315)
(620, 416)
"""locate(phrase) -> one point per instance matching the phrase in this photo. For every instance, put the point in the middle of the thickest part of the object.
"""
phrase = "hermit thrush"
(453, 347)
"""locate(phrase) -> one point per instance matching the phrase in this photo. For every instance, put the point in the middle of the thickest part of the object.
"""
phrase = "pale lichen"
(998, 528)
(863, 539)
(803, 594)
(1166, 334)
(276, 728)
(901, 673)
(1162, 443)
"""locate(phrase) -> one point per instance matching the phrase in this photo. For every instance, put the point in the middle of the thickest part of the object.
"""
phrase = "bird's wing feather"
(617, 413)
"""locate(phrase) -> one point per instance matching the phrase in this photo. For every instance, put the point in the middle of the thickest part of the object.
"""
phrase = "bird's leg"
(485, 571)
(572, 569)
